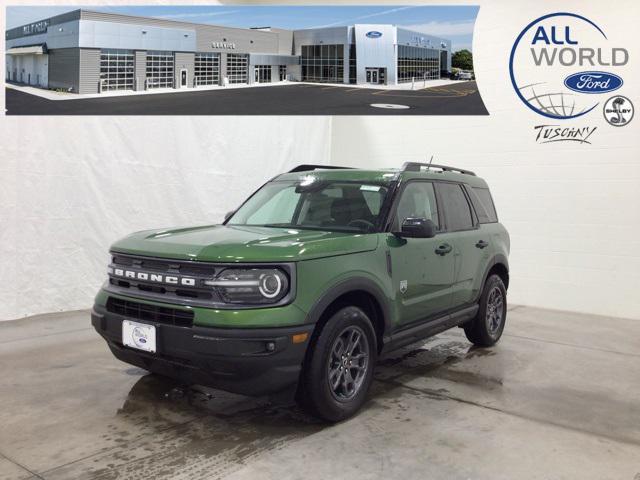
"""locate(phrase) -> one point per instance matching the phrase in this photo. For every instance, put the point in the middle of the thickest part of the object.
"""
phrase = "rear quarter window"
(483, 204)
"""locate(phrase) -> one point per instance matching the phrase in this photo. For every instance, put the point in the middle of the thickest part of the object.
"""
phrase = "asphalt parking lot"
(557, 398)
(299, 99)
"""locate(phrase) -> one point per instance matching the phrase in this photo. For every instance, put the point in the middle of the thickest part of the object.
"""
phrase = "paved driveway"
(297, 99)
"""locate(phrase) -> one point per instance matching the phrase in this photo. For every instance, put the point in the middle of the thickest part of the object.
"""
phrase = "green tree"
(462, 59)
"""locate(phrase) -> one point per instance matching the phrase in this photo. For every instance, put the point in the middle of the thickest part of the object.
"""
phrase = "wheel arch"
(499, 265)
(360, 292)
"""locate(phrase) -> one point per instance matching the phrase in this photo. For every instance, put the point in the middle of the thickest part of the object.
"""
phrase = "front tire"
(338, 375)
(487, 327)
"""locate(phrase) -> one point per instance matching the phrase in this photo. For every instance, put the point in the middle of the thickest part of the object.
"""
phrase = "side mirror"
(228, 215)
(418, 228)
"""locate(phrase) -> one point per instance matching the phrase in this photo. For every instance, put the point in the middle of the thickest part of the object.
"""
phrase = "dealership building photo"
(89, 52)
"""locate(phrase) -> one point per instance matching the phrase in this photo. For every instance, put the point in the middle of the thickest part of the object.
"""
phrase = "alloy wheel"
(348, 362)
(495, 311)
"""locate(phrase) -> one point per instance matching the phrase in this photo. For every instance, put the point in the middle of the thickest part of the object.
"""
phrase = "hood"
(219, 243)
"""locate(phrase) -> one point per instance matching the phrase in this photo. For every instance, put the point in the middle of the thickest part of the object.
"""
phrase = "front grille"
(151, 313)
(154, 270)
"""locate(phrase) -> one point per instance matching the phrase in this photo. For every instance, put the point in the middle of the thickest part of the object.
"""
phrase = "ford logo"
(593, 82)
(374, 34)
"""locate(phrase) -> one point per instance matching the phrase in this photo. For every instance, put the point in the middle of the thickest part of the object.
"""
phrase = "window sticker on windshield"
(370, 188)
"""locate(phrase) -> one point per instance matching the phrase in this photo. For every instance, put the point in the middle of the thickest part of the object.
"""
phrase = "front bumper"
(237, 360)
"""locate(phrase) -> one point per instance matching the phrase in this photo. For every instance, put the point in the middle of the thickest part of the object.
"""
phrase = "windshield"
(320, 205)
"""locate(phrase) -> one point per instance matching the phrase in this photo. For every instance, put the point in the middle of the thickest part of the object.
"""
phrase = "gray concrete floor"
(558, 397)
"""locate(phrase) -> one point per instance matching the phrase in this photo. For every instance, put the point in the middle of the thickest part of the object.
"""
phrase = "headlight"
(253, 286)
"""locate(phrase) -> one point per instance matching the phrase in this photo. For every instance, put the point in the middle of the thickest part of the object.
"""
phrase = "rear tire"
(339, 372)
(487, 327)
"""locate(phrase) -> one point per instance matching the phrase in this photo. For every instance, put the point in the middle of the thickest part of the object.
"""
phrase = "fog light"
(271, 346)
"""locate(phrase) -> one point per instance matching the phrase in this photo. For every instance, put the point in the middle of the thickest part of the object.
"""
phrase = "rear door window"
(456, 207)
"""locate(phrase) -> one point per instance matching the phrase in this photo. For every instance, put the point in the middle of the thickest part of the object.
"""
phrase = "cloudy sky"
(452, 22)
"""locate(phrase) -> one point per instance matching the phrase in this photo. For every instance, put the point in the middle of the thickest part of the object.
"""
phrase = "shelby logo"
(618, 111)
(152, 277)
(544, 55)
(556, 133)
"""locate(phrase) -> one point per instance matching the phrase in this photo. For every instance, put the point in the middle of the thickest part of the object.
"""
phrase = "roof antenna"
(430, 162)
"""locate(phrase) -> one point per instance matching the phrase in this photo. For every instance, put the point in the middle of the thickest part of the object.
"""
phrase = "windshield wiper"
(278, 225)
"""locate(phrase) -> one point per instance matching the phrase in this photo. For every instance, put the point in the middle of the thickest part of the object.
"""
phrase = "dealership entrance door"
(375, 76)
(262, 73)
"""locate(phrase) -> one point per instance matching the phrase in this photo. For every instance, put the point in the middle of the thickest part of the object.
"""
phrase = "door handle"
(443, 249)
(482, 244)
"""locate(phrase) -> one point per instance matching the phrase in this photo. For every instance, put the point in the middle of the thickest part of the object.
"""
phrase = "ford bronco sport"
(304, 285)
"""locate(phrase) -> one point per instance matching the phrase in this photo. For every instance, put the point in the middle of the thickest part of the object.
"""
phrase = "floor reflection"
(200, 432)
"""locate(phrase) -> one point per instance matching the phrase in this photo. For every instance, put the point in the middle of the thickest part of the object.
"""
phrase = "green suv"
(315, 275)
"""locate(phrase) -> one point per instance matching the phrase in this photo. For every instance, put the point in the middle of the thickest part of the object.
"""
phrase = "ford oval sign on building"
(374, 34)
(593, 82)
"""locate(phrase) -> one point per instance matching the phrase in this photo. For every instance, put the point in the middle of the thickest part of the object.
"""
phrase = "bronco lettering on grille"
(152, 277)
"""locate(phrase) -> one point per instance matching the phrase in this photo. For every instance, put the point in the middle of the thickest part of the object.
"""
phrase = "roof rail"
(417, 166)
(306, 168)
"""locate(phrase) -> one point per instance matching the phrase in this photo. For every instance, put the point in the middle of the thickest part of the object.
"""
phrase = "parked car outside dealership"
(465, 75)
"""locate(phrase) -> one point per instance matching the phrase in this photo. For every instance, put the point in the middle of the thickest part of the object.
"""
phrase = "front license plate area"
(139, 336)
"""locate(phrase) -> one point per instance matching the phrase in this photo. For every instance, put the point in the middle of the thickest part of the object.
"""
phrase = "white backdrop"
(71, 186)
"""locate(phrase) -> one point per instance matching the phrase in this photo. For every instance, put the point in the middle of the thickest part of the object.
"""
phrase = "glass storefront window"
(322, 63)
(352, 64)
(418, 63)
